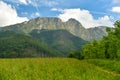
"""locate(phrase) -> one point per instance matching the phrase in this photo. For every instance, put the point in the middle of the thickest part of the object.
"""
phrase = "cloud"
(57, 9)
(23, 1)
(105, 21)
(116, 9)
(24, 13)
(8, 15)
(37, 14)
(34, 15)
(35, 3)
(49, 3)
(84, 17)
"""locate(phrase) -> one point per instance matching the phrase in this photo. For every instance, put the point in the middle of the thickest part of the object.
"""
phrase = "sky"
(90, 13)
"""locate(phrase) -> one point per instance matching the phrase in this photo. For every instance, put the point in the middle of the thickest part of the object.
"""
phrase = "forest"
(107, 48)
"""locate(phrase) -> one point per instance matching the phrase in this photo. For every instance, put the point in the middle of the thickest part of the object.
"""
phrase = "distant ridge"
(50, 23)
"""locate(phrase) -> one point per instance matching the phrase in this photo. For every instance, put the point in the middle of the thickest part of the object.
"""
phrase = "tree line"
(108, 47)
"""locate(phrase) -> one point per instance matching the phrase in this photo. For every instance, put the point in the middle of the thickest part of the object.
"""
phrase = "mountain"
(18, 45)
(97, 32)
(44, 37)
(61, 40)
(72, 25)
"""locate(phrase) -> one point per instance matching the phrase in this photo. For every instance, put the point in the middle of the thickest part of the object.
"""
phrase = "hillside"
(61, 40)
(18, 45)
(57, 37)
(72, 25)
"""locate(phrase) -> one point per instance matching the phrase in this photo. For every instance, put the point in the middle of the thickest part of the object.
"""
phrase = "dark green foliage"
(94, 50)
(18, 45)
(117, 24)
(108, 47)
(78, 54)
(71, 55)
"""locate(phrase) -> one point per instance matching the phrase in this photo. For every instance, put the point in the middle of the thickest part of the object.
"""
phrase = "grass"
(51, 69)
(111, 65)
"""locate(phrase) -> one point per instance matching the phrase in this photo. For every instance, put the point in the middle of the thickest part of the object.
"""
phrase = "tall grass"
(112, 65)
(50, 69)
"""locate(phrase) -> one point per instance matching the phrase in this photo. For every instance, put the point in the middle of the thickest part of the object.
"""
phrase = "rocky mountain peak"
(53, 23)
(73, 20)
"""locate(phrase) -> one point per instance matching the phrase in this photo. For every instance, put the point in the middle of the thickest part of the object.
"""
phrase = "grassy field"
(110, 65)
(51, 69)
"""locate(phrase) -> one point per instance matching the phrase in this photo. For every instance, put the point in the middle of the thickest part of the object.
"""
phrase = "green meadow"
(110, 65)
(55, 69)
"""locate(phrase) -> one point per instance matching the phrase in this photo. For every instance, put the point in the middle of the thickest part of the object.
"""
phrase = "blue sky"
(90, 13)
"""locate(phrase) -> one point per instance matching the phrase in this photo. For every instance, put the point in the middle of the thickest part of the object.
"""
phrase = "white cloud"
(23, 1)
(116, 9)
(84, 17)
(56, 9)
(8, 15)
(37, 14)
(34, 15)
(105, 21)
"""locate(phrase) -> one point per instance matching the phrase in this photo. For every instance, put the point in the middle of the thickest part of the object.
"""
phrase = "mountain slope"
(18, 45)
(97, 32)
(72, 25)
(60, 40)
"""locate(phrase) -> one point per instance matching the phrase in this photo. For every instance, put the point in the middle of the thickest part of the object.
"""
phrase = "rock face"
(72, 25)
(97, 32)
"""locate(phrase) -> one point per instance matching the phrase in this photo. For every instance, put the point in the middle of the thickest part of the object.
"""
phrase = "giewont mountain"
(44, 37)
(72, 26)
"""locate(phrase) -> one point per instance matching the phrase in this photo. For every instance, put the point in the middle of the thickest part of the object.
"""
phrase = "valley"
(59, 40)
(57, 52)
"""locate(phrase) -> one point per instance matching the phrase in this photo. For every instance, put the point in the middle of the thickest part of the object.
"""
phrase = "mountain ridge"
(42, 37)
(51, 23)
